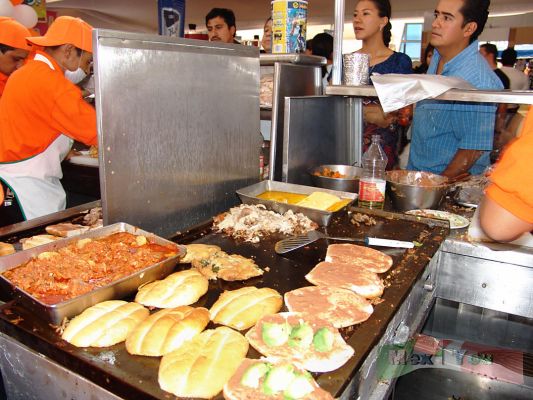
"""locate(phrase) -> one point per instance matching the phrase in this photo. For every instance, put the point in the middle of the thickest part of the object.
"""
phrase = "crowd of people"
(42, 111)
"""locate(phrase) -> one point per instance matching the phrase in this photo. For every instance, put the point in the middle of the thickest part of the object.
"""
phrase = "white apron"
(35, 181)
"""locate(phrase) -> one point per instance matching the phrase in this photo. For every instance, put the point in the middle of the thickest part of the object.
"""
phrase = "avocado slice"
(278, 379)
(253, 374)
(301, 335)
(299, 387)
(323, 340)
(274, 334)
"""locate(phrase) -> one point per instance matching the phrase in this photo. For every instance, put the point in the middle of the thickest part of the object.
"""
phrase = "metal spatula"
(295, 242)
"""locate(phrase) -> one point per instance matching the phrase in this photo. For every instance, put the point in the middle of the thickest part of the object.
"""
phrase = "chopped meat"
(253, 222)
(85, 265)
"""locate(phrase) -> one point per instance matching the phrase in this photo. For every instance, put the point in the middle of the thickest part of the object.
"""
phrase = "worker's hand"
(373, 114)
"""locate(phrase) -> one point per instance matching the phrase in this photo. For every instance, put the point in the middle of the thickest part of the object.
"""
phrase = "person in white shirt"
(518, 79)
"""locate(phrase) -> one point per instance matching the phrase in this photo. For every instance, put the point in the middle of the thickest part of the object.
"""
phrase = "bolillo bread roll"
(66, 229)
(37, 240)
(178, 289)
(198, 251)
(6, 249)
(104, 324)
(242, 308)
(202, 366)
(166, 330)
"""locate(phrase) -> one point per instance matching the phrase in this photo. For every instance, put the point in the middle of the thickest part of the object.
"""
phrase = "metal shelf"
(482, 96)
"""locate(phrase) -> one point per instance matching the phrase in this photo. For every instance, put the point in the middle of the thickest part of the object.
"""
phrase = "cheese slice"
(319, 201)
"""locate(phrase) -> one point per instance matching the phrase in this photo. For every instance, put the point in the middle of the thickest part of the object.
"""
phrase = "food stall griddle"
(136, 376)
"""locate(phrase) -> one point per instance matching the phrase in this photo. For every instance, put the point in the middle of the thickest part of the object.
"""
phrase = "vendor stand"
(36, 363)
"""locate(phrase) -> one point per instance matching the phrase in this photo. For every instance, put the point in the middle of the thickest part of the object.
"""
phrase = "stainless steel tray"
(248, 195)
(116, 290)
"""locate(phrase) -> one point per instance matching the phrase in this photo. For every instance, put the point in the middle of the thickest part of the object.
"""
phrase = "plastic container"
(289, 26)
(372, 183)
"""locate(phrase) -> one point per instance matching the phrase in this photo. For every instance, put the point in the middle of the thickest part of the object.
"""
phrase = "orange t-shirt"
(3, 80)
(38, 104)
(512, 181)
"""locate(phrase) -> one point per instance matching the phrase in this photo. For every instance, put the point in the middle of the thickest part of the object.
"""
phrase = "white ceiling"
(141, 15)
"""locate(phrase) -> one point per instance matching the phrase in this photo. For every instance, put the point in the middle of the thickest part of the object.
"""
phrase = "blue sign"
(171, 17)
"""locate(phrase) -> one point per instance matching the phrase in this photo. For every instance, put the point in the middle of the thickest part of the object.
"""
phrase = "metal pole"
(337, 43)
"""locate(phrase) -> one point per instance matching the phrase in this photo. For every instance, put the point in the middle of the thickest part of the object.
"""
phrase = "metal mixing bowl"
(348, 184)
(412, 190)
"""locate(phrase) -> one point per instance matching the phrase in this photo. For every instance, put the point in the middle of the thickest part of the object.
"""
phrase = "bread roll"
(229, 267)
(66, 229)
(341, 307)
(37, 240)
(198, 251)
(243, 307)
(299, 346)
(6, 249)
(166, 330)
(178, 289)
(251, 382)
(104, 324)
(361, 281)
(359, 256)
(201, 367)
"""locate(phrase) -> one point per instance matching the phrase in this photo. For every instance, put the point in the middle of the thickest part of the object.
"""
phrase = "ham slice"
(354, 278)
(341, 307)
(359, 256)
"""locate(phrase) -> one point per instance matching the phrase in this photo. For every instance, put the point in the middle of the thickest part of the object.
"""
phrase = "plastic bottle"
(372, 183)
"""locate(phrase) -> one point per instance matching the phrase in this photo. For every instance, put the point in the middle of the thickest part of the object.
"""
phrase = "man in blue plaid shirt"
(452, 138)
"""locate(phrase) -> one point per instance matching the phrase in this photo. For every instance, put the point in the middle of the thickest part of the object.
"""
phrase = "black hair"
(225, 13)
(384, 10)
(309, 44)
(423, 67)
(491, 49)
(509, 56)
(322, 45)
(475, 11)
(5, 48)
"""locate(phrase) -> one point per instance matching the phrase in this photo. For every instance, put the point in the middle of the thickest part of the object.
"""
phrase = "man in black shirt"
(489, 53)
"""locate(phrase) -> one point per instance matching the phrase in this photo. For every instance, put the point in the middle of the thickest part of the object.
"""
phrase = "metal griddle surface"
(136, 376)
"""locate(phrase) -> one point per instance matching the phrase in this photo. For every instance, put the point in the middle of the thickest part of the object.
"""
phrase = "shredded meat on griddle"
(253, 222)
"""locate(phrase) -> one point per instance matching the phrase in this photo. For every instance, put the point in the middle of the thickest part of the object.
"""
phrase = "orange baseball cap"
(13, 34)
(65, 30)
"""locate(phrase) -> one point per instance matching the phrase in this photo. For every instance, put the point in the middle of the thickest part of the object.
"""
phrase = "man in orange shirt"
(13, 48)
(507, 209)
(41, 112)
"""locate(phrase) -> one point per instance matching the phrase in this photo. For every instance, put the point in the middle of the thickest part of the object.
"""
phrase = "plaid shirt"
(440, 128)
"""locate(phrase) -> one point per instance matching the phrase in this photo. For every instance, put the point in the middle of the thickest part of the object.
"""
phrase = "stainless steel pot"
(413, 190)
(348, 184)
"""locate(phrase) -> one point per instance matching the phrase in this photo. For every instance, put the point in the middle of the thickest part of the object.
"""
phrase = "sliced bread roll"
(267, 380)
(178, 289)
(198, 251)
(341, 307)
(6, 249)
(243, 307)
(358, 280)
(104, 324)
(309, 342)
(229, 267)
(66, 229)
(166, 330)
(37, 240)
(202, 366)
(359, 256)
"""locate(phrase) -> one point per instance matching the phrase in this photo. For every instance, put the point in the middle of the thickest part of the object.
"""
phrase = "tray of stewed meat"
(61, 279)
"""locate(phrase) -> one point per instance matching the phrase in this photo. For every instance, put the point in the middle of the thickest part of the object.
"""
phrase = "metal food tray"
(248, 195)
(116, 290)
